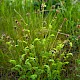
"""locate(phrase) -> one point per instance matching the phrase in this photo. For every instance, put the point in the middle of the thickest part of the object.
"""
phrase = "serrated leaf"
(66, 63)
(52, 35)
(36, 39)
(44, 41)
(50, 26)
(8, 43)
(18, 66)
(22, 77)
(62, 55)
(31, 46)
(69, 54)
(78, 61)
(22, 57)
(32, 58)
(28, 65)
(60, 46)
(33, 77)
(47, 69)
(13, 62)
(26, 49)
(71, 44)
(25, 42)
(51, 60)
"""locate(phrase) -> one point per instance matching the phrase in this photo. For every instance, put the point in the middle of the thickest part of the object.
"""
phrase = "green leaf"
(31, 46)
(62, 55)
(33, 77)
(26, 49)
(22, 56)
(44, 41)
(8, 43)
(13, 62)
(69, 54)
(22, 77)
(59, 47)
(28, 65)
(52, 35)
(78, 61)
(78, 76)
(17, 68)
(50, 26)
(71, 44)
(47, 70)
(36, 39)
(66, 63)
(51, 60)
(25, 42)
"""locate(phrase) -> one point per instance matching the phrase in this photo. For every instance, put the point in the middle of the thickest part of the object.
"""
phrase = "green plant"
(37, 63)
(38, 40)
(78, 68)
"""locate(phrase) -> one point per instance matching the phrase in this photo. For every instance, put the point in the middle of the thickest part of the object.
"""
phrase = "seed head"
(78, 26)
(53, 7)
(7, 37)
(79, 37)
(28, 14)
(57, 11)
(15, 27)
(43, 6)
(65, 19)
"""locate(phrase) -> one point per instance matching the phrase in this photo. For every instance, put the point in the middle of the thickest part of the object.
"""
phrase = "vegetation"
(39, 40)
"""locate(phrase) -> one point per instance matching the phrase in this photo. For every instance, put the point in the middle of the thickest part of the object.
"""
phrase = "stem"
(21, 17)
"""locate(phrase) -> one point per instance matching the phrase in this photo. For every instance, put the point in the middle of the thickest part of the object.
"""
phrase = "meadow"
(39, 40)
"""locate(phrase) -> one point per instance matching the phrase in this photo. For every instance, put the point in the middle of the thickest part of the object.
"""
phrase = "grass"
(35, 45)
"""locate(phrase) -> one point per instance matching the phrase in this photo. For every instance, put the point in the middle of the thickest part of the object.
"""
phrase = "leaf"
(13, 62)
(59, 65)
(71, 44)
(31, 58)
(55, 72)
(50, 26)
(66, 63)
(37, 70)
(28, 65)
(16, 45)
(26, 49)
(22, 57)
(47, 70)
(52, 35)
(62, 55)
(78, 75)
(25, 42)
(51, 60)
(36, 39)
(44, 41)
(31, 46)
(17, 68)
(59, 47)
(33, 77)
(69, 54)
(22, 77)
(78, 61)
(8, 43)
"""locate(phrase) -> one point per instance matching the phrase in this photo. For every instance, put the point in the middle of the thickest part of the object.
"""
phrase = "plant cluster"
(39, 41)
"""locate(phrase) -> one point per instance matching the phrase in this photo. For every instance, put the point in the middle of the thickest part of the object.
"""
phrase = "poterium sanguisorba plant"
(39, 60)
(38, 63)
(30, 39)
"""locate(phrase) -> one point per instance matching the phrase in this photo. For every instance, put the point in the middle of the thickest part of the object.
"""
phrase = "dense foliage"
(39, 40)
